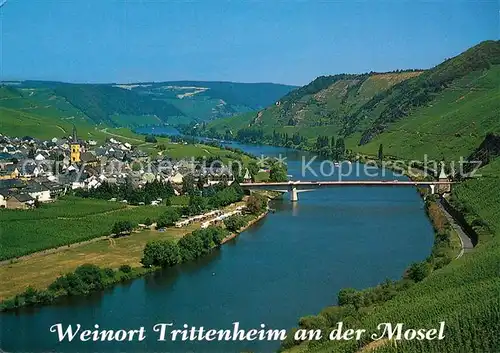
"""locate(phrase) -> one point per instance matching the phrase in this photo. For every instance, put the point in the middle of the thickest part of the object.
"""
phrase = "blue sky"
(247, 41)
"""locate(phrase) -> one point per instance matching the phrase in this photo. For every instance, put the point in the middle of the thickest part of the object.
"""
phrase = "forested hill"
(253, 96)
(150, 103)
(320, 106)
(444, 111)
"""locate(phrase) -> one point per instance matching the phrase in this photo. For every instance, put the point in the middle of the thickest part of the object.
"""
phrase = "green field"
(64, 222)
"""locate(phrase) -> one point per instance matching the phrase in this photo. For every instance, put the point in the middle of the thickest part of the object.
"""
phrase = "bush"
(256, 204)
(235, 223)
(168, 218)
(122, 227)
(164, 253)
(125, 268)
(418, 271)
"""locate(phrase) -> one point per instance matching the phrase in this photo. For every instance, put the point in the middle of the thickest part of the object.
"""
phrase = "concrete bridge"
(294, 187)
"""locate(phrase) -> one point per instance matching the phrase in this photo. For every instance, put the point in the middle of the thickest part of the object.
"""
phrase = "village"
(34, 171)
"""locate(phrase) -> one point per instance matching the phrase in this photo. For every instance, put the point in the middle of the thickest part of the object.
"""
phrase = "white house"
(177, 178)
(38, 192)
(3, 200)
(39, 157)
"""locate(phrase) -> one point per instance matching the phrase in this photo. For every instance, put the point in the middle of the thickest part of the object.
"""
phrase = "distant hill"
(451, 107)
(139, 104)
(204, 101)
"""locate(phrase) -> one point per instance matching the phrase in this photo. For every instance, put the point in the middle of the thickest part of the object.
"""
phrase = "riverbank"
(42, 273)
(242, 229)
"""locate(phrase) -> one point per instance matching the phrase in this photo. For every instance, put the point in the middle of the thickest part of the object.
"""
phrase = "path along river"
(290, 264)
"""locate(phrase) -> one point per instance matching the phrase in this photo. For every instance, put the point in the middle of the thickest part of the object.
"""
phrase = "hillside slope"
(463, 72)
(140, 104)
(204, 101)
(445, 111)
(319, 106)
(451, 125)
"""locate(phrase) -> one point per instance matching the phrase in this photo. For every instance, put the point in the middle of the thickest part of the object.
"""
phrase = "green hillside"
(208, 100)
(462, 71)
(445, 111)
(140, 104)
(452, 125)
(319, 106)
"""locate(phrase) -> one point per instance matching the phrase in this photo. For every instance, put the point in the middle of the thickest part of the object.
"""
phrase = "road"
(464, 238)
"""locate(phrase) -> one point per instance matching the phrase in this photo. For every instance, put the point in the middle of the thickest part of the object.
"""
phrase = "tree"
(121, 227)
(256, 203)
(168, 218)
(380, 152)
(346, 296)
(418, 271)
(253, 168)
(188, 184)
(234, 223)
(150, 139)
(339, 148)
(197, 204)
(164, 253)
(278, 173)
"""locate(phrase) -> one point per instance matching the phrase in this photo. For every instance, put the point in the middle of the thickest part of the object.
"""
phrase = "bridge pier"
(433, 188)
(294, 195)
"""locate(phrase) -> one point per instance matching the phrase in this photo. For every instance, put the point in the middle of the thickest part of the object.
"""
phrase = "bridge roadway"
(294, 187)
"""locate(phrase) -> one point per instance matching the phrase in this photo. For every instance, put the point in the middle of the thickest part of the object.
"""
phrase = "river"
(290, 264)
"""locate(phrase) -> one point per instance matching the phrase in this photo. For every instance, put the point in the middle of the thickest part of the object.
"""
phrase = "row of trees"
(149, 192)
(166, 253)
(212, 197)
(85, 279)
(329, 147)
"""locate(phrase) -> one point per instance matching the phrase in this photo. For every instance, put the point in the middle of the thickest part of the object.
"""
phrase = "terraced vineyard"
(452, 126)
(479, 200)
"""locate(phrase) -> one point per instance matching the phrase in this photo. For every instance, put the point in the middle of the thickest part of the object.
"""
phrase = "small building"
(38, 192)
(247, 178)
(177, 178)
(89, 159)
(20, 201)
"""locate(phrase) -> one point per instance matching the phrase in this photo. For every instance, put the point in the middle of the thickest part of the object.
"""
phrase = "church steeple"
(75, 147)
(75, 136)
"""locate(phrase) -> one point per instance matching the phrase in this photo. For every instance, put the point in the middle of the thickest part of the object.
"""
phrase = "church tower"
(75, 147)
(443, 188)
